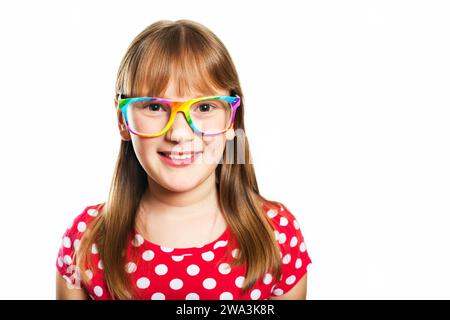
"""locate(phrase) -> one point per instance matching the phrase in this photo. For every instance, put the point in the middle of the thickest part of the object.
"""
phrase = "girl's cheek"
(213, 149)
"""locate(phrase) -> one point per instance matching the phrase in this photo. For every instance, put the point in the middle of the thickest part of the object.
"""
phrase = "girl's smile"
(179, 160)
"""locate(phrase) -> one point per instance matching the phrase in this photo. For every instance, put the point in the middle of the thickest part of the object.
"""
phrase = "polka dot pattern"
(161, 269)
(226, 296)
(130, 267)
(81, 226)
(158, 296)
(98, 291)
(143, 283)
(176, 284)
(193, 270)
(148, 255)
(209, 283)
(202, 272)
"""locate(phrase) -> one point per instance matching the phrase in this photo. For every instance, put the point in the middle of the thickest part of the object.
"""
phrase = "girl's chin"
(180, 186)
(179, 181)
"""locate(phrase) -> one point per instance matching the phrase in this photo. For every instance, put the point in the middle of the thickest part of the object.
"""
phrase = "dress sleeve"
(70, 240)
(294, 256)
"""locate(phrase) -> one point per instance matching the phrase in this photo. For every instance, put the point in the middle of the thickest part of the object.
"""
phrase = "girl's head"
(176, 61)
(181, 60)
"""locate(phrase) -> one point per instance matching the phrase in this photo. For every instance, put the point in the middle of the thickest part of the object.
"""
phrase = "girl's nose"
(180, 129)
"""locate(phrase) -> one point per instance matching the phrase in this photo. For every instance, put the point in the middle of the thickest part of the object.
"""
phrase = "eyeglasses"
(149, 117)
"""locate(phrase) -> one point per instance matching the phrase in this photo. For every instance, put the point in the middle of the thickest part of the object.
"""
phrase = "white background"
(347, 114)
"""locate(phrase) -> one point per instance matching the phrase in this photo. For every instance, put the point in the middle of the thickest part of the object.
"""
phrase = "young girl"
(184, 218)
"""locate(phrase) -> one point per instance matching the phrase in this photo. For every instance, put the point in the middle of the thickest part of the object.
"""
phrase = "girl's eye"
(155, 107)
(205, 107)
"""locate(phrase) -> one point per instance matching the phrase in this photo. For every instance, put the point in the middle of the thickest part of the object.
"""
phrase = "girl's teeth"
(178, 157)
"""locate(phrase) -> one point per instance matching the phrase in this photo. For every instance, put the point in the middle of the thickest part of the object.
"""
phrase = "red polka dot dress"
(197, 273)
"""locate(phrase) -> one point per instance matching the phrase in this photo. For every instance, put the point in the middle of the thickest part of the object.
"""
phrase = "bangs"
(183, 58)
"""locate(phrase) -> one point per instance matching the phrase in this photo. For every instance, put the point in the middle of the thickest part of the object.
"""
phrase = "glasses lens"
(148, 116)
(211, 116)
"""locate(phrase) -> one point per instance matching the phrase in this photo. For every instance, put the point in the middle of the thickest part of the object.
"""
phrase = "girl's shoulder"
(81, 220)
(294, 255)
(283, 220)
(70, 241)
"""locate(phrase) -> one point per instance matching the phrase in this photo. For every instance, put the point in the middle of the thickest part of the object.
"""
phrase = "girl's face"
(179, 138)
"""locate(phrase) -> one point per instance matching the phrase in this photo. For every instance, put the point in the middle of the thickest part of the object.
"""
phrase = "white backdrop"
(347, 114)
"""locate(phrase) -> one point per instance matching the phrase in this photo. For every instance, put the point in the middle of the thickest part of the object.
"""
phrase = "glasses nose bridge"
(180, 107)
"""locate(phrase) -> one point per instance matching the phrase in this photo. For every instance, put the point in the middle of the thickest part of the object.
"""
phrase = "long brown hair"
(190, 54)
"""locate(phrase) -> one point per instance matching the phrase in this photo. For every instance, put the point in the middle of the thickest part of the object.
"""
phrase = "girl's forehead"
(172, 93)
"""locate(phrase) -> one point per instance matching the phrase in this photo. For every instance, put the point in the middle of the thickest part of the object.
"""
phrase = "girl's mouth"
(176, 159)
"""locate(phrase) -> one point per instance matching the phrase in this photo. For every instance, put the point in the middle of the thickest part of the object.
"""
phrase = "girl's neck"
(197, 203)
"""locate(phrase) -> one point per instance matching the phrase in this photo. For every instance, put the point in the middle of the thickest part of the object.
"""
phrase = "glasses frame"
(176, 106)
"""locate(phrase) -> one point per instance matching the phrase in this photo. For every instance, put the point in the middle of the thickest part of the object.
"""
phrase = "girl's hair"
(190, 54)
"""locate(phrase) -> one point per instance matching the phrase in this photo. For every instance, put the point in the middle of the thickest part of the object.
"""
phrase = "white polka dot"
(226, 296)
(239, 281)
(287, 258)
(92, 212)
(283, 221)
(166, 249)
(98, 291)
(177, 258)
(137, 240)
(148, 255)
(208, 255)
(67, 259)
(158, 296)
(278, 292)
(255, 294)
(298, 263)
(281, 208)
(302, 247)
(76, 244)
(81, 226)
(130, 267)
(282, 238)
(290, 279)
(161, 269)
(307, 266)
(267, 278)
(143, 283)
(66, 242)
(94, 249)
(100, 264)
(294, 241)
(176, 284)
(209, 283)
(60, 262)
(193, 270)
(192, 296)
(89, 274)
(235, 253)
(224, 268)
(272, 213)
(221, 243)
(296, 225)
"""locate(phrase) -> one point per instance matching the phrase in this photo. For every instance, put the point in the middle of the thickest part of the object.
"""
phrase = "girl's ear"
(124, 133)
(229, 134)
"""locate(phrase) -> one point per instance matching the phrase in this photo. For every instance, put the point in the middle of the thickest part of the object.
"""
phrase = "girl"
(184, 218)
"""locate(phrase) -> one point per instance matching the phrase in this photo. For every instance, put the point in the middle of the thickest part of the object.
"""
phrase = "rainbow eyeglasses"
(149, 117)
